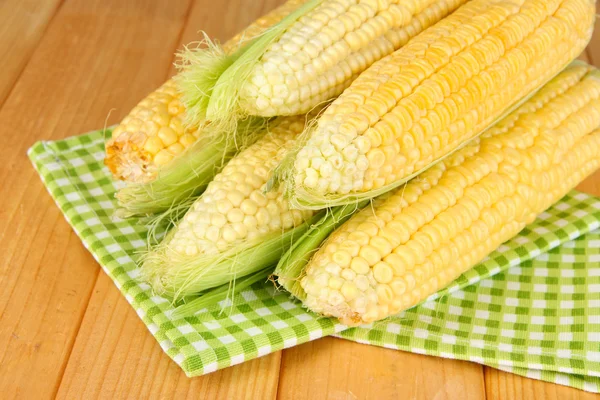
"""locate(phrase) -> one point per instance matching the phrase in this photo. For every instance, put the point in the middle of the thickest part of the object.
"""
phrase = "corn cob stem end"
(127, 160)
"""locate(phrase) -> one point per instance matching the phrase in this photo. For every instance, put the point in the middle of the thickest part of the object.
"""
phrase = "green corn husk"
(298, 245)
(174, 271)
(186, 177)
(210, 80)
(190, 277)
(226, 291)
(290, 267)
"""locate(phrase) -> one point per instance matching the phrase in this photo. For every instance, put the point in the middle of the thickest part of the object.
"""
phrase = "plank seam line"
(33, 51)
(76, 334)
(277, 396)
(483, 374)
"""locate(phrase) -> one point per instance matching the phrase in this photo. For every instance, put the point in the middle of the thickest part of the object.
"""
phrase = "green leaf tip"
(210, 80)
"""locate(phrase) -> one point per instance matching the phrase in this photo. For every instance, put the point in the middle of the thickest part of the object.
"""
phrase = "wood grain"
(23, 24)
(96, 54)
(340, 369)
(115, 357)
(594, 46)
(502, 385)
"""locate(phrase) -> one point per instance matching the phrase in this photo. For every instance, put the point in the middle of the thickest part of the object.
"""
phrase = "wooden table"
(75, 65)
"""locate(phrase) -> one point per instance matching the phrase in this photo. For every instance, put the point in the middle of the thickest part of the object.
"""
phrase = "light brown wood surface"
(20, 31)
(65, 330)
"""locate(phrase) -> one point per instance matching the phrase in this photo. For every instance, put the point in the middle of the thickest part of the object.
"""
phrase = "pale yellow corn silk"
(390, 258)
(157, 130)
(443, 88)
(308, 58)
(234, 213)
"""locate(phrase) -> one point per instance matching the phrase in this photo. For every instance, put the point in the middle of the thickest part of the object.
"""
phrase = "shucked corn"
(391, 257)
(443, 88)
(235, 208)
(233, 213)
(153, 133)
(320, 55)
(309, 58)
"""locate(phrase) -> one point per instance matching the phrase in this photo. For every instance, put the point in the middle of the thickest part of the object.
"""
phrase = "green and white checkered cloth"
(532, 307)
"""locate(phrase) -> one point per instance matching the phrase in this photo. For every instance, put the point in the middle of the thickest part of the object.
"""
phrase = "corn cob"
(153, 133)
(181, 181)
(414, 242)
(233, 214)
(308, 58)
(443, 88)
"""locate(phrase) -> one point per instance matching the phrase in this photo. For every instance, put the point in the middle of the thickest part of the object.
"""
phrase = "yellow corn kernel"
(448, 85)
(153, 145)
(163, 157)
(552, 140)
(226, 214)
(325, 50)
(159, 115)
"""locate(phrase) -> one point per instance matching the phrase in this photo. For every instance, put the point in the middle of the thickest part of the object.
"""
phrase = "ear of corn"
(179, 182)
(419, 238)
(234, 228)
(443, 88)
(306, 59)
(154, 132)
(295, 259)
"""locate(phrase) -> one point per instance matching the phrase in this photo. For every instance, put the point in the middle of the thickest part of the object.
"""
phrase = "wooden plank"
(116, 357)
(333, 368)
(23, 24)
(89, 60)
(502, 385)
(594, 46)
(591, 185)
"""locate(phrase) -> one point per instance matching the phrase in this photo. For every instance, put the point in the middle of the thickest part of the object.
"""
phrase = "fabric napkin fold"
(532, 307)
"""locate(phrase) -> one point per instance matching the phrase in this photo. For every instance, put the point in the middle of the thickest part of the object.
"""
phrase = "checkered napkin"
(532, 307)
